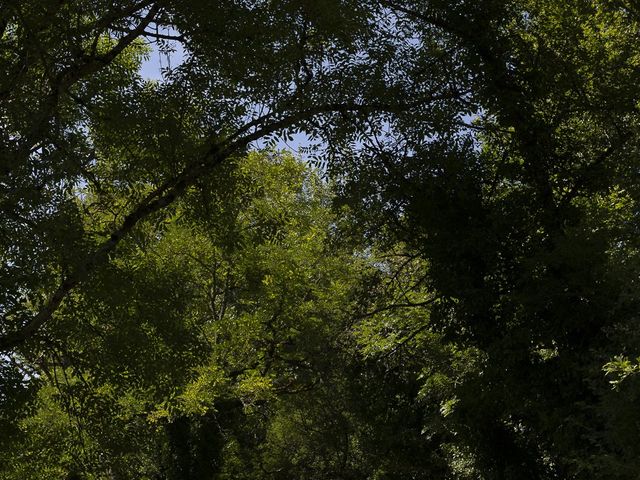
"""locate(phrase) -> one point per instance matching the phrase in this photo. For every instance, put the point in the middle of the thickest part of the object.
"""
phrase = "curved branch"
(171, 190)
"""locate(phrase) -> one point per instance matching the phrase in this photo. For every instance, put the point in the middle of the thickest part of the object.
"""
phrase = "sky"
(151, 67)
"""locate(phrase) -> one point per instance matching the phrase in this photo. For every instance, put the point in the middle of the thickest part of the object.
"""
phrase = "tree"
(78, 117)
(190, 328)
(527, 229)
(232, 340)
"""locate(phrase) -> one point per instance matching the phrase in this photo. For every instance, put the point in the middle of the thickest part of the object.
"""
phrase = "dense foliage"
(456, 299)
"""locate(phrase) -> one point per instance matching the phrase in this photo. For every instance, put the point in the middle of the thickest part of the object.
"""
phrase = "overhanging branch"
(169, 192)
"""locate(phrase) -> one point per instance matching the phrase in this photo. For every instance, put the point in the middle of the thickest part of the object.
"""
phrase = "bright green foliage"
(194, 338)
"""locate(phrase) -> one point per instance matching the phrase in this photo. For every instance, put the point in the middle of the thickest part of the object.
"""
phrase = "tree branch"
(173, 188)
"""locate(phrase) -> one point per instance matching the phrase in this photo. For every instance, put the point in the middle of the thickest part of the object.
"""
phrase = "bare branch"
(163, 36)
(396, 306)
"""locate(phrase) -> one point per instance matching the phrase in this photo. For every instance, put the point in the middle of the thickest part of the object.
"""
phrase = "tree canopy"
(455, 297)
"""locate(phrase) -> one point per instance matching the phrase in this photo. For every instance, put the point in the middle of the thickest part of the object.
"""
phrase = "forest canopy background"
(457, 299)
